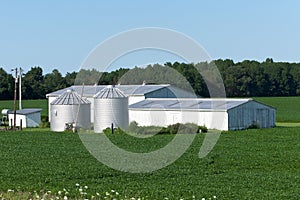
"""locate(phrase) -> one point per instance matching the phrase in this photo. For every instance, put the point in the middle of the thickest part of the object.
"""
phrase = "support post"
(20, 88)
(15, 97)
(21, 125)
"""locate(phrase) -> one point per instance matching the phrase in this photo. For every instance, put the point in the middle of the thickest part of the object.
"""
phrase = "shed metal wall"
(170, 92)
(251, 113)
(135, 99)
(18, 119)
(33, 119)
(29, 120)
(212, 120)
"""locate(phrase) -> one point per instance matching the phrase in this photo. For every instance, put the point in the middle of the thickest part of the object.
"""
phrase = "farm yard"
(254, 163)
(124, 101)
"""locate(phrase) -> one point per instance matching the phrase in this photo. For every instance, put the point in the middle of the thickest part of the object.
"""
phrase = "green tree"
(33, 84)
(6, 85)
(70, 78)
(54, 81)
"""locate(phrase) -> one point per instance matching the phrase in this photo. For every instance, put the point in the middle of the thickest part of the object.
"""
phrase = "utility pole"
(20, 88)
(15, 97)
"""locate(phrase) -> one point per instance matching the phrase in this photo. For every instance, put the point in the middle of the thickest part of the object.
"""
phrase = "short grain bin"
(111, 109)
(70, 109)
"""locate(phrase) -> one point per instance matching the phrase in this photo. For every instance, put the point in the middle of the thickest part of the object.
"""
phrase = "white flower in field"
(64, 189)
(65, 198)
(66, 193)
(59, 192)
(117, 193)
(80, 189)
(181, 198)
(57, 197)
(112, 191)
(203, 198)
(49, 192)
(194, 197)
(166, 198)
(214, 196)
(132, 198)
(139, 198)
(9, 190)
(37, 196)
(97, 194)
(86, 187)
(107, 193)
(77, 184)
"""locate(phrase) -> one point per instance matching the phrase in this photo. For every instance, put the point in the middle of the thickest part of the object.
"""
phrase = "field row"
(261, 163)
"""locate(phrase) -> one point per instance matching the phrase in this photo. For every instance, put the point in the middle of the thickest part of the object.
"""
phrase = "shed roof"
(25, 111)
(189, 104)
(70, 97)
(91, 90)
(110, 92)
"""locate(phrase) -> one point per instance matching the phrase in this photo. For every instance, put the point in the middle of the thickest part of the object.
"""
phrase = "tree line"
(241, 79)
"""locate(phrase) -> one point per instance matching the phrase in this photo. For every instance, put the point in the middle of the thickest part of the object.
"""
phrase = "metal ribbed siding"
(63, 112)
(111, 107)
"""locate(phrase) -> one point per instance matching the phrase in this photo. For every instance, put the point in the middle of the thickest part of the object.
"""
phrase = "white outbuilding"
(70, 109)
(153, 105)
(111, 109)
(221, 114)
(29, 117)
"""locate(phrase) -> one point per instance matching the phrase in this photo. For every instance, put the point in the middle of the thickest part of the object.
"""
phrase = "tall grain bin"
(111, 108)
(70, 108)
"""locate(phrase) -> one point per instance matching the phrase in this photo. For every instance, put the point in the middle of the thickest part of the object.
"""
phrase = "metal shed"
(111, 109)
(221, 114)
(31, 117)
(70, 109)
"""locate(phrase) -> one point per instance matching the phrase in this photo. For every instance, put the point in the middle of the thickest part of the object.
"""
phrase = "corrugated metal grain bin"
(70, 108)
(111, 108)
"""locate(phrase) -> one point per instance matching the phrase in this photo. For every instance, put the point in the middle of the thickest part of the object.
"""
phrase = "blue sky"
(60, 34)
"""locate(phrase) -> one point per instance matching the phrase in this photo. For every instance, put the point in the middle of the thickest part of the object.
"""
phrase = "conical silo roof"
(70, 97)
(110, 92)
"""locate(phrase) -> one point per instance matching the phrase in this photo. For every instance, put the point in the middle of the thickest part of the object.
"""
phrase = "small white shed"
(31, 117)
